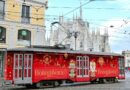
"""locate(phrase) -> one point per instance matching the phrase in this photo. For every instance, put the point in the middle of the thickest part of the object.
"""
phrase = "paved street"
(122, 85)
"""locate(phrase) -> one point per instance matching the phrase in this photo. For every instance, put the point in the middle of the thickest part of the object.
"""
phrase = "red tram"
(41, 66)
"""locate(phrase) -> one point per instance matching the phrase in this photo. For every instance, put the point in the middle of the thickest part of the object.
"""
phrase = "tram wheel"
(93, 82)
(38, 85)
(101, 81)
(55, 83)
(114, 80)
(30, 86)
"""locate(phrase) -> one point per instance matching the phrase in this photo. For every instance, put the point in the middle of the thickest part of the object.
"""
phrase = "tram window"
(81, 58)
(121, 63)
(121, 66)
(78, 58)
(78, 63)
(84, 58)
(87, 62)
(121, 71)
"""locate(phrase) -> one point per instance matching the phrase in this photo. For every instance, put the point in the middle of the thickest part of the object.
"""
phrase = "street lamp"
(75, 34)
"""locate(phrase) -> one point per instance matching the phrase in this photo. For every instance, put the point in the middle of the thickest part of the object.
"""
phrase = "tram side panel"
(23, 68)
(50, 66)
(106, 67)
(28, 68)
(18, 68)
(8, 68)
(60, 66)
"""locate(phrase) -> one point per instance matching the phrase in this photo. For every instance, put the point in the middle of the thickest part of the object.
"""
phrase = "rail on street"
(121, 85)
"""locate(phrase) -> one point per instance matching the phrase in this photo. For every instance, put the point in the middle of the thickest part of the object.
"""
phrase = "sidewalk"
(127, 74)
(1, 81)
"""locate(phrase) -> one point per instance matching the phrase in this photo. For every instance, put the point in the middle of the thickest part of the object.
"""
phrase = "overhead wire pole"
(68, 34)
(53, 23)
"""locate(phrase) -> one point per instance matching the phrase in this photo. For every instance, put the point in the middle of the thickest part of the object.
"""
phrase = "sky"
(111, 14)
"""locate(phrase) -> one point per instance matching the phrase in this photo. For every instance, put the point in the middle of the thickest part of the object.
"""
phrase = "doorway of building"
(1, 63)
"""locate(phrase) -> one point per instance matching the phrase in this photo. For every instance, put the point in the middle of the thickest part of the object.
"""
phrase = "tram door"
(23, 68)
(82, 66)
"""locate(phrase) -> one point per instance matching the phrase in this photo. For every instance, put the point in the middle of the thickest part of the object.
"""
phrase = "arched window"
(24, 34)
(2, 35)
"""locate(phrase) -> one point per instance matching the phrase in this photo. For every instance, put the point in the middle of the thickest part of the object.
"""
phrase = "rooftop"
(42, 2)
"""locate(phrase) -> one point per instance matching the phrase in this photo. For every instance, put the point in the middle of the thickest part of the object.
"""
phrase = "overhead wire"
(57, 16)
(120, 38)
(100, 8)
(74, 9)
(89, 22)
(117, 32)
(108, 27)
(87, 2)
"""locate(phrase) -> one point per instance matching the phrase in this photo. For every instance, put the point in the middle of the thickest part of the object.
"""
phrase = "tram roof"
(62, 51)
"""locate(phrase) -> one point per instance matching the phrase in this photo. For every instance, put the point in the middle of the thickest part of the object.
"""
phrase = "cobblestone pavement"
(122, 85)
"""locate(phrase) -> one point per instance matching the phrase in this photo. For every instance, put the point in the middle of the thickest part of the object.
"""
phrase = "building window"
(24, 34)
(25, 14)
(2, 4)
(2, 35)
(81, 44)
(103, 50)
(90, 49)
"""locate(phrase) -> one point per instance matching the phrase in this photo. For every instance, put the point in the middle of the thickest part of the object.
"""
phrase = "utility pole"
(75, 36)
(81, 10)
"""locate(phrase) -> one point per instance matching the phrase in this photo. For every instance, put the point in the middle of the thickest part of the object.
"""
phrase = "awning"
(3, 49)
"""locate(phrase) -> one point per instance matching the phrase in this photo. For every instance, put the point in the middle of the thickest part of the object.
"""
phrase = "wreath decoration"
(101, 61)
(9, 61)
(46, 59)
(65, 55)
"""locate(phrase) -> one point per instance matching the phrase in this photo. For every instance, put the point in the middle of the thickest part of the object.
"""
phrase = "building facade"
(127, 58)
(77, 35)
(21, 24)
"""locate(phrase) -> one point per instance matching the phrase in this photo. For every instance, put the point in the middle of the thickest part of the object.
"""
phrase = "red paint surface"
(52, 66)
(8, 71)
